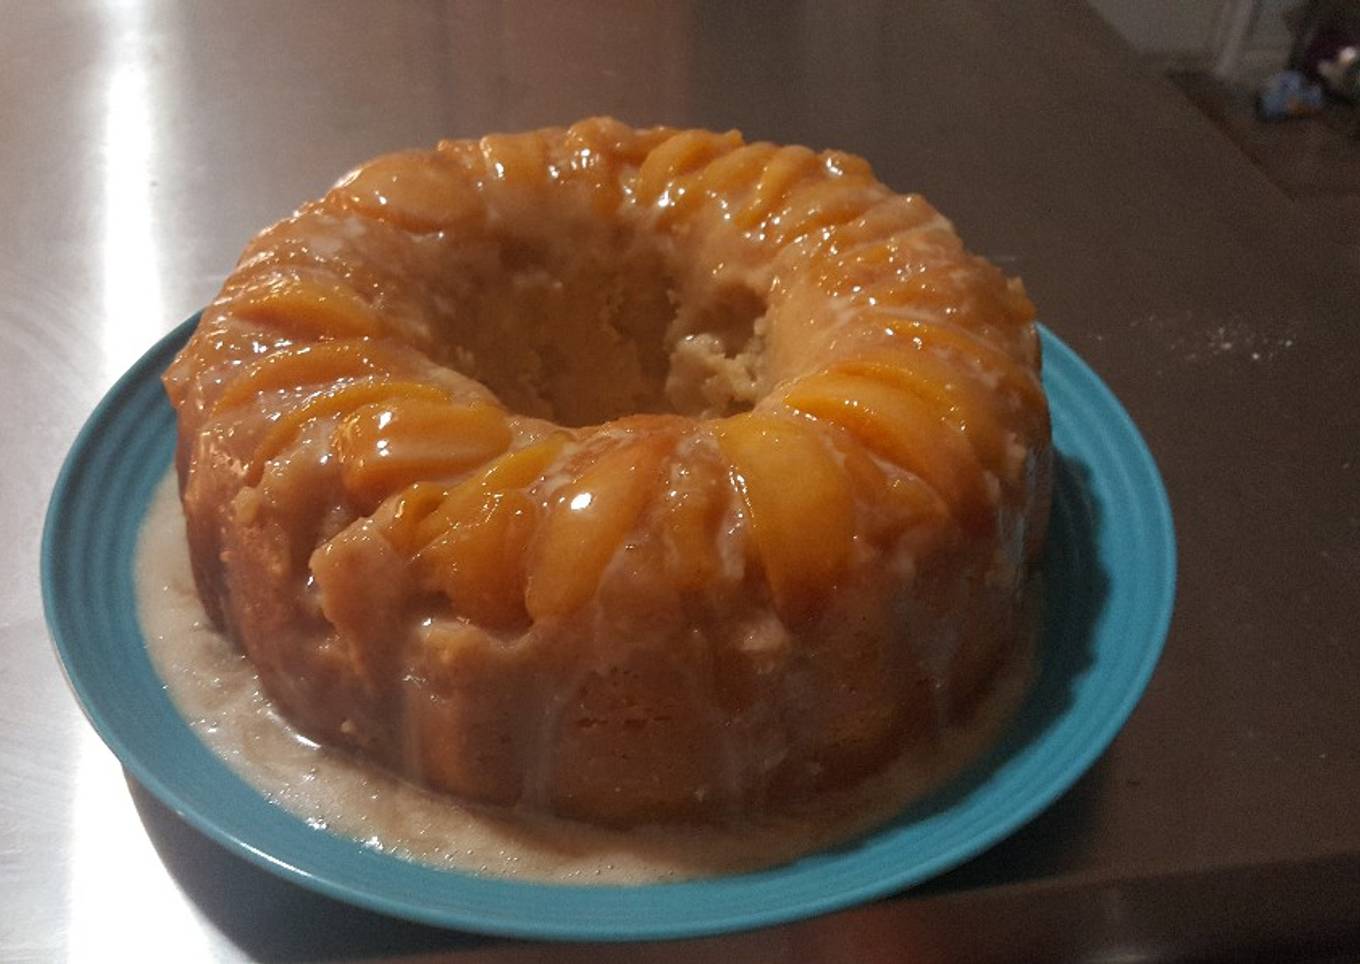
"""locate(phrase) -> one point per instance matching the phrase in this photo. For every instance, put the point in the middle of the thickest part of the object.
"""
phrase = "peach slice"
(903, 429)
(339, 400)
(949, 391)
(593, 151)
(296, 365)
(798, 499)
(737, 171)
(478, 563)
(820, 205)
(715, 183)
(971, 292)
(843, 164)
(400, 515)
(306, 306)
(385, 446)
(613, 139)
(707, 184)
(415, 190)
(889, 227)
(885, 262)
(895, 502)
(219, 341)
(785, 168)
(587, 523)
(513, 470)
(692, 508)
(1012, 374)
(677, 156)
(520, 159)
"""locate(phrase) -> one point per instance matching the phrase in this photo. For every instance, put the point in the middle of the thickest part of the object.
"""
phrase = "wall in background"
(1192, 34)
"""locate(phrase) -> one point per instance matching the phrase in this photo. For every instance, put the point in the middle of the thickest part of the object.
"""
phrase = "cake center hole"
(585, 326)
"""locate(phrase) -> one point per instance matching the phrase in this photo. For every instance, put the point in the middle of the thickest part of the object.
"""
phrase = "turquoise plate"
(1111, 582)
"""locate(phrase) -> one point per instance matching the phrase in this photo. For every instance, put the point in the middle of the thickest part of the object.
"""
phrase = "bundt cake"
(622, 475)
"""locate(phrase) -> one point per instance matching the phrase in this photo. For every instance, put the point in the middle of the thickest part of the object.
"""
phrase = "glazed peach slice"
(400, 515)
(385, 446)
(306, 306)
(415, 190)
(1011, 374)
(799, 503)
(822, 204)
(893, 502)
(692, 509)
(307, 364)
(588, 521)
(718, 181)
(659, 178)
(782, 172)
(951, 392)
(223, 339)
(736, 171)
(876, 270)
(514, 470)
(339, 400)
(706, 184)
(902, 429)
(973, 293)
(470, 542)
(615, 139)
(478, 563)
(592, 153)
(520, 159)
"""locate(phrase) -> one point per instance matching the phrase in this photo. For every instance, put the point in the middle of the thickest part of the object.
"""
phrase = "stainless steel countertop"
(143, 142)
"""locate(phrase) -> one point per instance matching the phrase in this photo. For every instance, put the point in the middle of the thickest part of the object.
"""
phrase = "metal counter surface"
(142, 143)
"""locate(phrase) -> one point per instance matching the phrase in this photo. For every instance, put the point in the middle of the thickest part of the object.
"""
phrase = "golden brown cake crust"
(623, 475)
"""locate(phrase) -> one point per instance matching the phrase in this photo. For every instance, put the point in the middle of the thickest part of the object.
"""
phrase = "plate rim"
(150, 364)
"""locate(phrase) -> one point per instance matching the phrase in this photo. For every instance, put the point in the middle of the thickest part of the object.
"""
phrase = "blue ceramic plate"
(1111, 582)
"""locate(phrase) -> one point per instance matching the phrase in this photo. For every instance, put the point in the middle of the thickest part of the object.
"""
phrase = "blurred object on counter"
(1342, 73)
(1288, 94)
(1327, 46)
